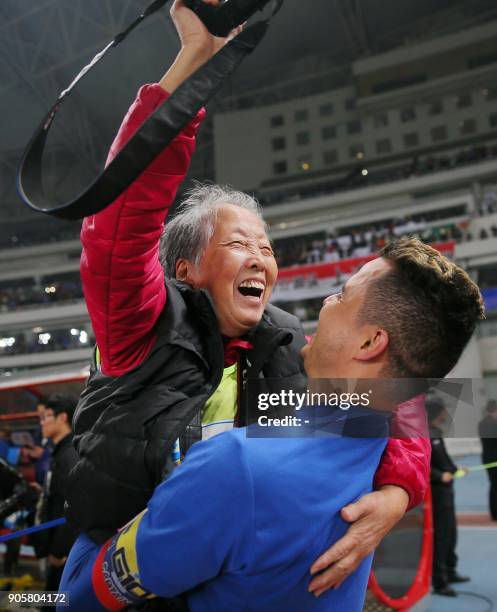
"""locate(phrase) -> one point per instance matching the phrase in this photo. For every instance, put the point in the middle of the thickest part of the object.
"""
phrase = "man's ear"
(374, 343)
(184, 271)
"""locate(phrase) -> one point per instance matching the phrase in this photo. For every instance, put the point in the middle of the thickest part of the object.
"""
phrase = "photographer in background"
(488, 434)
(17, 499)
(41, 452)
(444, 510)
(55, 544)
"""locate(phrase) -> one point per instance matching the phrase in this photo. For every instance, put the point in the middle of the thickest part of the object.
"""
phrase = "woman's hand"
(371, 518)
(198, 45)
(193, 33)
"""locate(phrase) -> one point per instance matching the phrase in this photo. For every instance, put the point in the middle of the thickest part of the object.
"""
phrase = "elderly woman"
(178, 339)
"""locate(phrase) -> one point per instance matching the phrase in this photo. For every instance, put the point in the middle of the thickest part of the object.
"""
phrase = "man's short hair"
(60, 403)
(428, 305)
(186, 235)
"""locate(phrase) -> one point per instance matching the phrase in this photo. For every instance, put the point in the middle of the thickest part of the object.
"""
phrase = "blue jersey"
(239, 524)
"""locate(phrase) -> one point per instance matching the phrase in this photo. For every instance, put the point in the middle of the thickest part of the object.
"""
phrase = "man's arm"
(442, 466)
(198, 523)
(401, 482)
(122, 277)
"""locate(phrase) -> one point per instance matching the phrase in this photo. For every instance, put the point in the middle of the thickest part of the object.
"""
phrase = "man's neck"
(60, 436)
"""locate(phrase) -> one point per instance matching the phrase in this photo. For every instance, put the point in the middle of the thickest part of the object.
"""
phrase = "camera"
(16, 493)
(220, 20)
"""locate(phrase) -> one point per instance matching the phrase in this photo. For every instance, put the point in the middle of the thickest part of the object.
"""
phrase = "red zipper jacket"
(123, 280)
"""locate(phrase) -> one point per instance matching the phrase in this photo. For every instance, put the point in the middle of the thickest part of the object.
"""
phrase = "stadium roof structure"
(44, 44)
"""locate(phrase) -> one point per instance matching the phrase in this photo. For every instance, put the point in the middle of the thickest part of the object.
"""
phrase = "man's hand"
(56, 561)
(34, 452)
(447, 477)
(37, 487)
(372, 517)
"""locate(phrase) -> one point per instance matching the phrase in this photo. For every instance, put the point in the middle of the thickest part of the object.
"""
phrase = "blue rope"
(23, 532)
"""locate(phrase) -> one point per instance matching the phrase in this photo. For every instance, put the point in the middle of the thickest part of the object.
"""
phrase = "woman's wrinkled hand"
(372, 517)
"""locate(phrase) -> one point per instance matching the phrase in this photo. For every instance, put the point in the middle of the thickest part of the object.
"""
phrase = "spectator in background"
(4, 443)
(40, 453)
(9, 451)
(488, 434)
(444, 511)
(331, 253)
(55, 544)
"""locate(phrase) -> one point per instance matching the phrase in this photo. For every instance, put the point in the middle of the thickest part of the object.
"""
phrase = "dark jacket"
(161, 400)
(440, 458)
(487, 430)
(59, 540)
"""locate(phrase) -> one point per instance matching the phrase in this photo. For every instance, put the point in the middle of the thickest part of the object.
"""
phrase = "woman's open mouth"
(252, 288)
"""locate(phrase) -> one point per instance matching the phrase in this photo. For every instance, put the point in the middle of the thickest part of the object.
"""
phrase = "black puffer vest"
(125, 427)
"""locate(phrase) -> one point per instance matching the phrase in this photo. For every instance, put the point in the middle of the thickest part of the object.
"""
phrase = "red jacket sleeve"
(123, 280)
(406, 460)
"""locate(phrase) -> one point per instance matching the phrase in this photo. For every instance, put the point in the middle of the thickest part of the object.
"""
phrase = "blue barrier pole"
(23, 532)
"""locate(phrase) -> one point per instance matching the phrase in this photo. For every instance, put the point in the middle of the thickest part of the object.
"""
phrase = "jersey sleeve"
(123, 280)
(197, 524)
(406, 460)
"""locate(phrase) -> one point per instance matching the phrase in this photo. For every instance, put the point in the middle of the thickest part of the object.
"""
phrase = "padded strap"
(153, 136)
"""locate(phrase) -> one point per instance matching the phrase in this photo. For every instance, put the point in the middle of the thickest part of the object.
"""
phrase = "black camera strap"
(152, 137)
